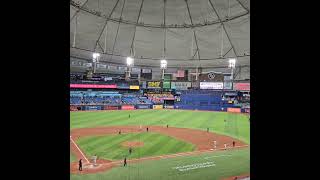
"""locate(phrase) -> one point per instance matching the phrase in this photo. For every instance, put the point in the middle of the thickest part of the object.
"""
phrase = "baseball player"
(94, 159)
(130, 150)
(147, 129)
(233, 143)
(215, 144)
(119, 132)
(125, 161)
(167, 125)
(225, 146)
(80, 165)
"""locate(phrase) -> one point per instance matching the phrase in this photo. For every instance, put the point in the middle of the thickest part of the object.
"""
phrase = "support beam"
(227, 52)
(194, 33)
(115, 39)
(105, 25)
(135, 29)
(243, 6)
(214, 9)
(105, 39)
(164, 29)
(75, 14)
(75, 32)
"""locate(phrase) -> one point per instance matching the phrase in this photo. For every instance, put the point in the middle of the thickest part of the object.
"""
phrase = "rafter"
(224, 28)
(114, 7)
(194, 33)
(243, 6)
(135, 28)
(78, 10)
(115, 39)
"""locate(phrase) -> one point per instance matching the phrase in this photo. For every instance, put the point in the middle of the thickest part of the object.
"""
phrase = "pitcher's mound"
(132, 144)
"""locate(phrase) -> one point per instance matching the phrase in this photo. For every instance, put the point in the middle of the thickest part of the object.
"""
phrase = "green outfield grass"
(109, 146)
(72, 158)
(227, 163)
(236, 125)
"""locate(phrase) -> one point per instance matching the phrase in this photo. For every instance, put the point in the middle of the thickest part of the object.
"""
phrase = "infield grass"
(110, 146)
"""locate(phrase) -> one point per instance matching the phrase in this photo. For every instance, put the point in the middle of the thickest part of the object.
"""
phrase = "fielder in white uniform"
(225, 146)
(94, 160)
(215, 144)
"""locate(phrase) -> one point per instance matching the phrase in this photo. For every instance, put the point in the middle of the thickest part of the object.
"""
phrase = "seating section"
(159, 98)
(106, 98)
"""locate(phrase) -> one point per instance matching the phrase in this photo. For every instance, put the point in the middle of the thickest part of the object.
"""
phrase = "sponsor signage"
(235, 110)
(157, 107)
(104, 86)
(181, 85)
(110, 107)
(134, 87)
(211, 85)
(143, 107)
(127, 107)
(242, 86)
(166, 85)
(154, 84)
(169, 107)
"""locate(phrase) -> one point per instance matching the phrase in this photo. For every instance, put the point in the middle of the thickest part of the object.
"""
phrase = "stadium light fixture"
(232, 63)
(163, 64)
(95, 57)
(130, 61)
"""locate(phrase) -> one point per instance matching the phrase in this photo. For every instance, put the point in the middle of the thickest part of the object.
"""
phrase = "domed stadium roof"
(187, 33)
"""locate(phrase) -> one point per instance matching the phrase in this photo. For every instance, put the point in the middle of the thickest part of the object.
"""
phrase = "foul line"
(79, 150)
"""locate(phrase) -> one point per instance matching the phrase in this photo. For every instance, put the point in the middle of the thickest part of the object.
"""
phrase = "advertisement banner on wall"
(106, 86)
(127, 107)
(110, 107)
(211, 85)
(234, 110)
(169, 107)
(143, 107)
(181, 85)
(134, 87)
(93, 108)
(166, 85)
(154, 84)
(157, 107)
(241, 86)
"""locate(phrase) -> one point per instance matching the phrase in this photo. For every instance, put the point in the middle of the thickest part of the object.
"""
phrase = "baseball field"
(183, 150)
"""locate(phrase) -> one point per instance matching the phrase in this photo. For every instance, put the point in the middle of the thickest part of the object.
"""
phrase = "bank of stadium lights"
(130, 61)
(232, 63)
(163, 64)
(95, 57)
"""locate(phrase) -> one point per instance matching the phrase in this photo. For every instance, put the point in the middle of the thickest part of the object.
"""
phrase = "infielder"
(215, 144)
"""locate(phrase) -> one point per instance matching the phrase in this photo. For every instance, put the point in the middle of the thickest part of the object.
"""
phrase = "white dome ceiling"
(193, 32)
